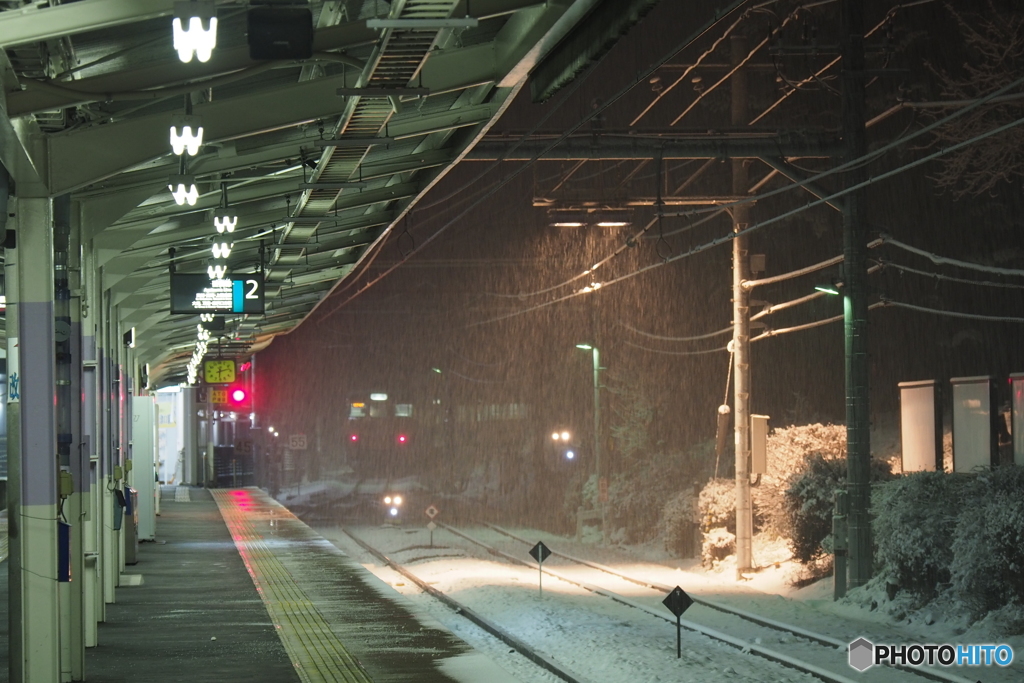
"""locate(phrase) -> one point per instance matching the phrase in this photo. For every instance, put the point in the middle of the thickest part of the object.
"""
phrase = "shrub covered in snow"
(987, 570)
(915, 518)
(810, 500)
(719, 543)
(717, 505)
(679, 520)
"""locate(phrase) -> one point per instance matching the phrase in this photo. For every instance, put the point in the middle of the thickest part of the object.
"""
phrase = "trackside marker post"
(431, 512)
(540, 553)
(678, 602)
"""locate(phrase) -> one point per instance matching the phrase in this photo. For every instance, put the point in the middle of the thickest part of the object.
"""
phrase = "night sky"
(442, 307)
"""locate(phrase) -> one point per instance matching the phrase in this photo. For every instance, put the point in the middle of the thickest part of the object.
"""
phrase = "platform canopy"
(319, 157)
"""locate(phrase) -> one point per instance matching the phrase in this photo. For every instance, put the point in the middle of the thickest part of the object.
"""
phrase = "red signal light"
(354, 437)
(402, 438)
(238, 395)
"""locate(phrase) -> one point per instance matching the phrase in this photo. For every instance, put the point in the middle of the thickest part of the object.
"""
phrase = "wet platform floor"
(313, 614)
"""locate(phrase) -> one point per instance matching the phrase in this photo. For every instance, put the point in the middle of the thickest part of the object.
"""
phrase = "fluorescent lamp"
(383, 92)
(194, 39)
(183, 188)
(224, 220)
(353, 142)
(191, 136)
(331, 186)
(612, 224)
(424, 24)
(568, 224)
(221, 249)
(216, 272)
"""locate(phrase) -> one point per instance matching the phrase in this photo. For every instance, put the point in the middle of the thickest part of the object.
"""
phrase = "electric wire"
(947, 261)
(807, 326)
(948, 278)
(709, 335)
(757, 226)
(596, 111)
(953, 314)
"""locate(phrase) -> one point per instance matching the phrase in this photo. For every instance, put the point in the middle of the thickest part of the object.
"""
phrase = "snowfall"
(598, 640)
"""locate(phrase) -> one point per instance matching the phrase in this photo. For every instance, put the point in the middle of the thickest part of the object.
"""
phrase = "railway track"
(829, 661)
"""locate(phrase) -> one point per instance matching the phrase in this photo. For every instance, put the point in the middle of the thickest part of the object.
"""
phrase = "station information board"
(196, 293)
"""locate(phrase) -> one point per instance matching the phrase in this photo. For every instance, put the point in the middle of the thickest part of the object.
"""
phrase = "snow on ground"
(605, 641)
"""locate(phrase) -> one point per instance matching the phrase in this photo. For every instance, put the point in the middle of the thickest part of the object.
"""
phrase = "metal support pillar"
(741, 324)
(77, 504)
(94, 606)
(35, 518)
(855, 299)
(14, 661)
(108, 434)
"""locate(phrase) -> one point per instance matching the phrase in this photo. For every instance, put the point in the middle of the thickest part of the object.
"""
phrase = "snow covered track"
(464, 611)
(836, 649)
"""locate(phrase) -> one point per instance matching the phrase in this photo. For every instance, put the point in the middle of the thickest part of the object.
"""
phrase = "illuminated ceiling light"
(225, 221)
(216, 272)
(206, 317)
(221, 249)
(612, 224)
(568, 224)
(194, 39)
(424, 24)
(191, 136)
(183, 188)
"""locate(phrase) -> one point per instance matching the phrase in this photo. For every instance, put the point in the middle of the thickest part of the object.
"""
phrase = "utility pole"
(855, 299)
(741, 322)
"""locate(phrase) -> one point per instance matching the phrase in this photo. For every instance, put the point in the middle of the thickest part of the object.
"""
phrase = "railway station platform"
(236, 588)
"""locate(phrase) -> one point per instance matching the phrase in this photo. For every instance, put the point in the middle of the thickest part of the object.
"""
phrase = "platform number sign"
(540, 552)
(678, 602)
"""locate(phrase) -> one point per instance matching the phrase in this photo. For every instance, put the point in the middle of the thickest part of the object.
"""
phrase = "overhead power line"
(949, 278)
(954, 314)
(946, 261)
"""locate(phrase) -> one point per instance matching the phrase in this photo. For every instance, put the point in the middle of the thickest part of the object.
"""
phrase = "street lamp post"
(597, 422)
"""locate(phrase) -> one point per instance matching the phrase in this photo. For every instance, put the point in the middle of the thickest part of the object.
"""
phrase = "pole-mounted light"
(190, 37)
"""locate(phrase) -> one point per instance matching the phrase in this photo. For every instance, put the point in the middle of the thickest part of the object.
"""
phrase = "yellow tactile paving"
(317, 653)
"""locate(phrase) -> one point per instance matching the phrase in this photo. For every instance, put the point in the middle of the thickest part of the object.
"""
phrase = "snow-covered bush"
(810, 500)
(679, 519)
(915, 517)
(717, 505)
(987, 571)
(719, 543)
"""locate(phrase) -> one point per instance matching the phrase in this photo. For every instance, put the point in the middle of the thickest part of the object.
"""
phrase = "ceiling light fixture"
(221, 250)
(216, 272)
(183, 188)
(191, 136)
(194, 39)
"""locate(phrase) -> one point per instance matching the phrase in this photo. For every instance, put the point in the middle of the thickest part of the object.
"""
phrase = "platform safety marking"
(181, 495)
(316, 652)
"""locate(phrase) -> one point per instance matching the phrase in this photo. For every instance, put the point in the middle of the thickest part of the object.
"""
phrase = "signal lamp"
(353, 438)
(402, 438)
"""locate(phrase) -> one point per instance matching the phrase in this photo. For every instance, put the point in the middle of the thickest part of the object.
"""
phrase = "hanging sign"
(197, 293)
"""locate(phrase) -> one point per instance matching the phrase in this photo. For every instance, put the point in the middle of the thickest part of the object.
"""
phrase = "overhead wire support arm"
(821, 265)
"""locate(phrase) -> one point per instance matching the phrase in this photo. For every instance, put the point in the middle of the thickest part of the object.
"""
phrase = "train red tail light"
(353, 438)
(402, 438)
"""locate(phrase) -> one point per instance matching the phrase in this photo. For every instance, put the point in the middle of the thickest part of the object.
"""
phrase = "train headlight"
(394, 512)
(397, 500)
(387, 500)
